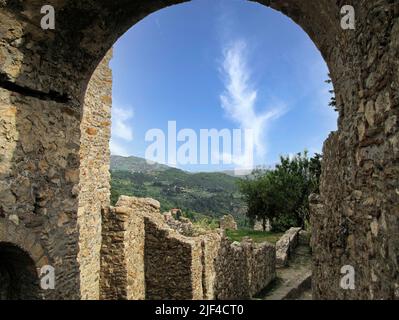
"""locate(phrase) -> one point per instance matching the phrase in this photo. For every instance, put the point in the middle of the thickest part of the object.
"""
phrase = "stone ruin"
(55, 101)
(182, 225)
(228, 222)
(258, 225)
(143, 257)
(286, 245)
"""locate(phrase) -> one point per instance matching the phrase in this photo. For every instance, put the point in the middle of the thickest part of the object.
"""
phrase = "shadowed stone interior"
(18, 276)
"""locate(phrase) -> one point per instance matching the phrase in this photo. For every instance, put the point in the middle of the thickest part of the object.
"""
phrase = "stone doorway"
(18, 275)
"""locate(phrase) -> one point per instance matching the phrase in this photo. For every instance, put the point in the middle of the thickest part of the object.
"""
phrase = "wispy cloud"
(122, 131)
(119, 149)
(239, 100)
(121, 128)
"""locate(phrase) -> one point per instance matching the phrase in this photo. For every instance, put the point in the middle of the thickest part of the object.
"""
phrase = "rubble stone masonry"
(144, 258)
(94, 177)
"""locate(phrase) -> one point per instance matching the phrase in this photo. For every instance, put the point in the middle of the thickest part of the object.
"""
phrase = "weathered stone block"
(285, 245)
(228, 222)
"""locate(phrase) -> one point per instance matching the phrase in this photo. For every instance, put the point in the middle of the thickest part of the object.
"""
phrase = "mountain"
(211, 194)
(237, 173)
(135, 164)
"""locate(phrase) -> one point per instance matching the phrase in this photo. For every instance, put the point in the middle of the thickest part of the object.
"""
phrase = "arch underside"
(18, 275)
(21, 259)
(43, 80)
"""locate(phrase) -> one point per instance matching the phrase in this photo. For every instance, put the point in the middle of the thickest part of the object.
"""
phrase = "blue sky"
(223, 64)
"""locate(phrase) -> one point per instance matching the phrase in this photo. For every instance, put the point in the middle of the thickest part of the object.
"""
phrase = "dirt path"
(294, 281)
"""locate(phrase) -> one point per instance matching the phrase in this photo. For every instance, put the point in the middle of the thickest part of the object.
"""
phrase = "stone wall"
(122, 252)
(54, 180)
(211, 244)
(22, 257)
(144, 258)
(262, 266)
(243, 269)
(173, 268)
(258, 225)
(228, 222)
(232, 271)
(183, 225)
(358, 220)
(39, 177)
(94, 177)
(286, 245)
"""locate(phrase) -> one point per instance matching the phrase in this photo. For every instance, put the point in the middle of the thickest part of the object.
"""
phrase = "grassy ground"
(256, 236)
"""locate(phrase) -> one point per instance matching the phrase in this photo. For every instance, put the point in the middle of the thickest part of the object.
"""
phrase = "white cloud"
(122, 131)
(240, 97)
(121, 128)
(118, 149)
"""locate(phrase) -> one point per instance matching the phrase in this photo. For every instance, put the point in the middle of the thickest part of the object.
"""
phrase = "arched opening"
(18, 275)
(162, 79)
(204, 77)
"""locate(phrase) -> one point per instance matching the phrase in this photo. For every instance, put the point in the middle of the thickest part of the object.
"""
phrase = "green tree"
(281, 194)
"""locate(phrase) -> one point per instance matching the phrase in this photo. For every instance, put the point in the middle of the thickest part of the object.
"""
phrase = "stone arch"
(357, 219)
(19, 280)
(21, 259)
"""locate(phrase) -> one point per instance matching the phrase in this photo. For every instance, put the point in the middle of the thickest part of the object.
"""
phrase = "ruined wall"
(173, 268)
(210, 244)
(22, 257)
(357, 221)
(113, 277)
(142, 257)
(39, 165)
(228, 222)
(184, 226)
(172, 262)
(286, 245)
(262, 266)
(122, 255)
(232, 272)
(243, 269)
(53, 179)
(94, 177)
